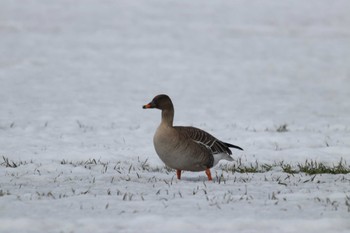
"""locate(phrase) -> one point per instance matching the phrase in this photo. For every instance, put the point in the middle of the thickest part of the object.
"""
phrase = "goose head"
(162, 102)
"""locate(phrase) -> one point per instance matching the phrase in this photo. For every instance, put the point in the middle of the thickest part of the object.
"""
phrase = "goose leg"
(207, 171)
(178, 173)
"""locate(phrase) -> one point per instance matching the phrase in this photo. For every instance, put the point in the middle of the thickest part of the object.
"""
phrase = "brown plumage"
(186, 148)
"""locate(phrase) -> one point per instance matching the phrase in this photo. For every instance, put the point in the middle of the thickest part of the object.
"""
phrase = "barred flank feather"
(206, 139)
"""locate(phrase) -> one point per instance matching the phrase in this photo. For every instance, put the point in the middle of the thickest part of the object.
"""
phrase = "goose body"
(186, 148)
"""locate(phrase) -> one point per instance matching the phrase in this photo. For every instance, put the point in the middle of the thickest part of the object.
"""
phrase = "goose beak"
(149, 105)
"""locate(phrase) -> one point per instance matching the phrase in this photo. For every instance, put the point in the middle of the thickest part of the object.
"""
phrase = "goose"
(186, 148)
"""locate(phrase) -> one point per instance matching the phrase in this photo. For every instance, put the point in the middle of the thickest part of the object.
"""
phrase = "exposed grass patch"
(9, 163)
(287, 168)
(309, 167)
(4, 193)
(282, 128)
(314, 167)
(250, 168)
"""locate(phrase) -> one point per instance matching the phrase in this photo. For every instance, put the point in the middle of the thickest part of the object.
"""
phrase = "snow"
(75, 74)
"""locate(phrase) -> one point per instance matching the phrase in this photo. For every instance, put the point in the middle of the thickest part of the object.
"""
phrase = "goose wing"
(201, 137)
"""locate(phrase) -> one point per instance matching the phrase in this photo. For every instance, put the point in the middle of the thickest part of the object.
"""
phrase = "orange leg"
(178, 173)
(207, 171)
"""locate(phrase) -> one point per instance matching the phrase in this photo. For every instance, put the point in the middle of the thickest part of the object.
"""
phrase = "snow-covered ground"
(73, 78)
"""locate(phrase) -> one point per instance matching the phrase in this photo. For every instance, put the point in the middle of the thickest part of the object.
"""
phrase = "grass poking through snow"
(309, 167)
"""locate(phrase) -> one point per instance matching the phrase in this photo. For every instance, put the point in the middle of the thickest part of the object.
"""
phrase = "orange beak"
(149, 105)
